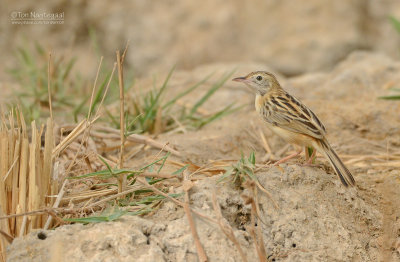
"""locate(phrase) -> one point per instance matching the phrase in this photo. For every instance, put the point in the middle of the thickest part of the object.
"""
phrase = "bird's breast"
(260, 104)
(264, 108)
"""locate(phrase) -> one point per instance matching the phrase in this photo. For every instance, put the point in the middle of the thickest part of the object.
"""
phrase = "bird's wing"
(287, 112)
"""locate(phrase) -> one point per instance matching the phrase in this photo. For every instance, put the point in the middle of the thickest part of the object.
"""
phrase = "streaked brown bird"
(292, 120)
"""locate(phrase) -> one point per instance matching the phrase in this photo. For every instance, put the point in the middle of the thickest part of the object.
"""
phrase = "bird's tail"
(341, 170)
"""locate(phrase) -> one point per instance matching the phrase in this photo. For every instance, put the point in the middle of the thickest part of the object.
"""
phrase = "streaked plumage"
(293, 121)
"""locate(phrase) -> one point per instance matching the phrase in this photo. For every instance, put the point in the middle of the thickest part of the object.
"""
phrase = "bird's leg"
(310, 159)
(283, 160)
(306, 153)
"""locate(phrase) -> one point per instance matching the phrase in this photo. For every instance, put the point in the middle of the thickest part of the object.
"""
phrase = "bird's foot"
(283, 160)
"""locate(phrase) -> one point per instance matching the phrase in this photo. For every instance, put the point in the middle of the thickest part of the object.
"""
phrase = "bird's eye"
(259, 78)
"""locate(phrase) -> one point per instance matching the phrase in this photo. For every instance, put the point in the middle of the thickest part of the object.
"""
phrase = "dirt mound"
(317, 220)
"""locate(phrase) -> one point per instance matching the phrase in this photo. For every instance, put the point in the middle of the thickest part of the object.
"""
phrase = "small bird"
(292, 120)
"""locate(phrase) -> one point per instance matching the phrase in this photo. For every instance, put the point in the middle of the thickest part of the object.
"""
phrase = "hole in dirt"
(41, 235)
(241, 220)
(294, 245)
(148, 237)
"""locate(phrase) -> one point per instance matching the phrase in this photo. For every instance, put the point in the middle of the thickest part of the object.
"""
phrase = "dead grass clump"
(26, 178)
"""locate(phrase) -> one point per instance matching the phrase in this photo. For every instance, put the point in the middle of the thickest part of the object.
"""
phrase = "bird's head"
(262, 82)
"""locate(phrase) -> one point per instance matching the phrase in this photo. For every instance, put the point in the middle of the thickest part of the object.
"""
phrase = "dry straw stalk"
(26, 175)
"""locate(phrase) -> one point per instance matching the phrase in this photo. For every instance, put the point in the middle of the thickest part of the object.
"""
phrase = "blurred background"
(291, 37)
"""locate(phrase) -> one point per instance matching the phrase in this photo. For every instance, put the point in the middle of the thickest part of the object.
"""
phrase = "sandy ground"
(317, 219)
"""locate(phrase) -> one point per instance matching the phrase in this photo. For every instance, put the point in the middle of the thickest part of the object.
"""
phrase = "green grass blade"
(187, 91)
(106, 173)
(99, 94)
(39, 48)
(94, 40)
(154, 181)
(107, 165)
(136, 131)
(226, 111)
(163, 162)
(26, 58)
(229, 171)
(79, 108)
(252, 158)
(156, 161)
(142, 211)
(131, 123)
(112, 118)
(68, 69)
(150, 199)
(390, 97)
(248, 171)
(142, 191)
(180, 170)
(153, 106)
(98, 219)
(211, 91)
(395, 23)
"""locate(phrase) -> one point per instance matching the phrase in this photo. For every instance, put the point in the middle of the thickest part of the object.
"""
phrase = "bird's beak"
(241, 79)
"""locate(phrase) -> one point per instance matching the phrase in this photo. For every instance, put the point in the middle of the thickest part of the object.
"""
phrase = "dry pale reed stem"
(94, 88)
(49, 86)
(104, 200)
(187, 185)
(76, 132)
(3, 169)
(106, 91)
(27, 179)
(33, 203)
(28, 163)
(56, 203)
(3, 243)
(4, 237)
(11, 168)
(7, 237)
(23, 186)
(276, 206)
(177, 202)
(144, 182)
(225, 227)
(22, 175)
(81, 196)
(98, 193)
(266, 145)
(70, 138)
(121, 178)
(125, 50)
(32, 213)
(46, 175)
(256, 234)
(88, 123)
(135, 138)
(14, 190)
